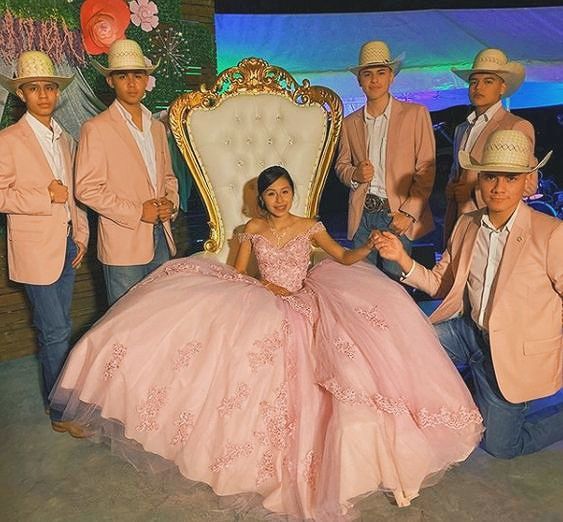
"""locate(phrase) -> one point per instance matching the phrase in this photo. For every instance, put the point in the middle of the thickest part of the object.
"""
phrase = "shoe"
(75, 430)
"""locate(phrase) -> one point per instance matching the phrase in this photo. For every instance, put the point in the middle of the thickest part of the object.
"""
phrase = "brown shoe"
(75, 430)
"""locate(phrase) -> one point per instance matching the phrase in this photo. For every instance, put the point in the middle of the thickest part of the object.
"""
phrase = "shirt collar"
(486, 116)
(41, 131)
(486, 222)
(386, 113)
(146, 115)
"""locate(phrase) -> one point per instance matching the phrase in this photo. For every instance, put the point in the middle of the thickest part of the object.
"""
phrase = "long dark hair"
(269, 176)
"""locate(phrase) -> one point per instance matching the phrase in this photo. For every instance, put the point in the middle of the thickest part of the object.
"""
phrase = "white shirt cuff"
(409, 273)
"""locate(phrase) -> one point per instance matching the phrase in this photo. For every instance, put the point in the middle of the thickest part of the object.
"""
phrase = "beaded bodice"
(285, 265)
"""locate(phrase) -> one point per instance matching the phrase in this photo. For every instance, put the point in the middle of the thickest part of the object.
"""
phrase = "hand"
(275, 289)
(400, 223)
(388, 245)
(150, 211)
(364, 172)
(165, 209)
(462, 191)
(77, 261)
(57, 191)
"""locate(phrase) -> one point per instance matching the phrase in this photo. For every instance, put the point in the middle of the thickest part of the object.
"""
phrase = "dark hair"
(269, 176)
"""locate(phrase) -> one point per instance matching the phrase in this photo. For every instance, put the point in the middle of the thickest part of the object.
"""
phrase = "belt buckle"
(373, 203)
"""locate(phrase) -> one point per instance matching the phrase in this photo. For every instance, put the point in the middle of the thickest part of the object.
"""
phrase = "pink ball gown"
(311, 400)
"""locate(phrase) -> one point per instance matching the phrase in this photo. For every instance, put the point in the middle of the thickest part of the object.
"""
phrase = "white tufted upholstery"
(256, 116)
(246, 134)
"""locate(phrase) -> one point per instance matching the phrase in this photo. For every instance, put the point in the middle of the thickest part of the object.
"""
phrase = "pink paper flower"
(150, 84)
(143, 13)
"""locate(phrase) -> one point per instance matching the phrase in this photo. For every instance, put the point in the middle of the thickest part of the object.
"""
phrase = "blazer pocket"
(22, 234)
(542, 346)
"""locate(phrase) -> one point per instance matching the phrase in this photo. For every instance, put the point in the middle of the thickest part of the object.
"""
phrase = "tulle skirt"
(307, 402)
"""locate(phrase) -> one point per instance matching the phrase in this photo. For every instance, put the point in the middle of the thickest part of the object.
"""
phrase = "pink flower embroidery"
(143, 13)
(150, 408)
(185, 425)
(232, 453)
(228, 404)
(118, 353)
(373, 316)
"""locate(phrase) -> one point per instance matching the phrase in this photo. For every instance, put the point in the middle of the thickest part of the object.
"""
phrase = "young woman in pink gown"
(311, 387)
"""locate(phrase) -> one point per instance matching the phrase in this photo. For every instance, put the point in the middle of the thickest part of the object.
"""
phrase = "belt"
(373, 204)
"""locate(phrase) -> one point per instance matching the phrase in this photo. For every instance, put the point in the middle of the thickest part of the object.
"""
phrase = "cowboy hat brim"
(13, 84)
(106, 71)
(466, 163)
(394, 65)
(513, 75)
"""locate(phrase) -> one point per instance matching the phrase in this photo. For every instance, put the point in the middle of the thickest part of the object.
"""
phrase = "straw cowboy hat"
(495, 61)
(32, 66)
(376, 53)
(505, 151)
(125, 55)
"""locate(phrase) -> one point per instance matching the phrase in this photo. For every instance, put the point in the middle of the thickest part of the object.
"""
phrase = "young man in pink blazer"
(47, 232)
(386, 156)
(124, 173)
(501, 279)
(491, 78)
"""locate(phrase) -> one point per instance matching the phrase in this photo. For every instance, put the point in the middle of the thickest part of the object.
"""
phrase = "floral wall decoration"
(72, 31)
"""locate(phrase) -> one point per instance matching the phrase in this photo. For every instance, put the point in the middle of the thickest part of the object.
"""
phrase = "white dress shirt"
(50, 141)
(476, 126)
(485, 260)
(376, 130)
(143, 138)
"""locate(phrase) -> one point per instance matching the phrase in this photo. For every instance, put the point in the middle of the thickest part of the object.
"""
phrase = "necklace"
(278, 235)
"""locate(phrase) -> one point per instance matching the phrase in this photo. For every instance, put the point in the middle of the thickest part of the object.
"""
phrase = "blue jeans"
(119, 279)
(509, 430)
(381, 221)
(50, 308)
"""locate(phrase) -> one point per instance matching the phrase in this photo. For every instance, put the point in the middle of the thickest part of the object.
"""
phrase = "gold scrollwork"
(255, 76)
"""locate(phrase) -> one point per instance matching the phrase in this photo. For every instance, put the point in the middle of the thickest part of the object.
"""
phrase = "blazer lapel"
(492, 126)
(125, 134)
(35, 146)
(466, 251)
(361, 135)
(393, 132)
(513, 249)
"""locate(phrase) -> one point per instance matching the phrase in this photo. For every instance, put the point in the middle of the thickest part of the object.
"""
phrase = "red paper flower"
(103, 22)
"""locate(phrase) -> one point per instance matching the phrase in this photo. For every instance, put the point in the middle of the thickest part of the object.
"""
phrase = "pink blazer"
(409, 169)
(112, 179)
(526, 307)
(37, 228)
(501, 120)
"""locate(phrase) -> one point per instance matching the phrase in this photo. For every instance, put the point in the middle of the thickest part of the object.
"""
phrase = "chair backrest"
(256, 115)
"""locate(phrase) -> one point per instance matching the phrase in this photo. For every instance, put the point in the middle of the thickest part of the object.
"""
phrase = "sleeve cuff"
(409, 273)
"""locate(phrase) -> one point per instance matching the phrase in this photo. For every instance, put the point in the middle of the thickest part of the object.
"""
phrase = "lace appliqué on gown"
(232, 453)
(184, 425)
(266, 348)
(286, 265)
(373, 316)
(118, 353)
(150, 408)
(186, 354)
(228, 404)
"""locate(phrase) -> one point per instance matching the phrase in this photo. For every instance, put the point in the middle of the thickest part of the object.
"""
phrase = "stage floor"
(46, 476)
